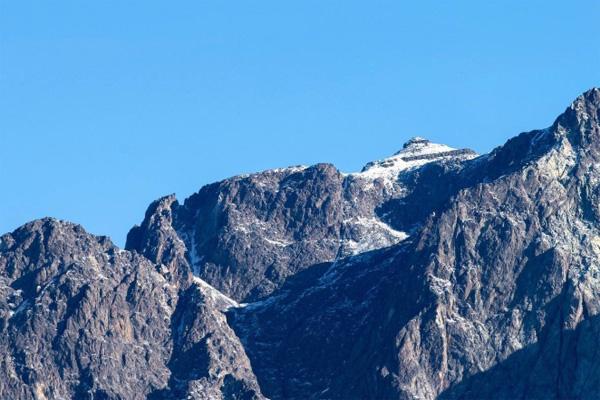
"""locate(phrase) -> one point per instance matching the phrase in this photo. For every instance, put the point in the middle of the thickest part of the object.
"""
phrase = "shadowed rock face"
(429, 274)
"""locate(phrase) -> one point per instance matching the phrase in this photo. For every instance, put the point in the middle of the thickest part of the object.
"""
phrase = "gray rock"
(82, 319)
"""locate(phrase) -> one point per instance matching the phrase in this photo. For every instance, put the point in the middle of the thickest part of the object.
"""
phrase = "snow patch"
(289, 170)
(223, 302)
(279, 243)
(374, 234)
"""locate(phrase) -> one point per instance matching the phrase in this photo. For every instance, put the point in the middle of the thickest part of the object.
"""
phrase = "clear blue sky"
(107, 105)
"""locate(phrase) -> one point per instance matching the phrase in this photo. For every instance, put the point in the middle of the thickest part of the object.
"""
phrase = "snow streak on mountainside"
(429, 274)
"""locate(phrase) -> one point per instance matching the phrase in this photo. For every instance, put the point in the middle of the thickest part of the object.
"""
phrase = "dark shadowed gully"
(434, 273)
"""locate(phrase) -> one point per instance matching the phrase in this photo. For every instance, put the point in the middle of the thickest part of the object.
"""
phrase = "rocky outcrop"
(80, 318)
(207, 361)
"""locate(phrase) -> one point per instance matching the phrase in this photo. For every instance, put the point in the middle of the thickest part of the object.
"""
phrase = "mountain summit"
(415, 153)
(431, 274)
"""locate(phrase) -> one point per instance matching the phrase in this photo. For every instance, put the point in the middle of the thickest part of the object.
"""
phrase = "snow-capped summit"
(415, 152)
(420, 146)
(415, 141)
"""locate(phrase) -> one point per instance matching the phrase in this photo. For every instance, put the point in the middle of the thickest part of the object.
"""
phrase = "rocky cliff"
(82, 319)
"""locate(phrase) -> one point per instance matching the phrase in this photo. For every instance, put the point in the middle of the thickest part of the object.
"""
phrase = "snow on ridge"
(415, 153)
(295, 168)
(289, 170)
(222, 301)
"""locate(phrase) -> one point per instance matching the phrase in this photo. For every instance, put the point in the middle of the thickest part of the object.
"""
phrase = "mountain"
(248, 234)
(434, 273)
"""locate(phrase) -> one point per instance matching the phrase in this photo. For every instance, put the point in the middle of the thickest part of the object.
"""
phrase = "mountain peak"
(416, 152)
(591, 96)
(416, 141)
(587, 105)
(581, 120)
(417, 146)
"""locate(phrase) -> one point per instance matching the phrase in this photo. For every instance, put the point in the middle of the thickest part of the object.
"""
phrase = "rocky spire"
(157, 239)
(581, 120)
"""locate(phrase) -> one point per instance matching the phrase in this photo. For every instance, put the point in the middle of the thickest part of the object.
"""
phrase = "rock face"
(430, 274)
(80, 318)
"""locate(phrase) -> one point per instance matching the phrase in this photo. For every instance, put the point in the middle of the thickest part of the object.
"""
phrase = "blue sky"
(107, 105)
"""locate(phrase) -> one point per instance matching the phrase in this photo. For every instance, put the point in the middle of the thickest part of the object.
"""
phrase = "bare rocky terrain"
(434, 273)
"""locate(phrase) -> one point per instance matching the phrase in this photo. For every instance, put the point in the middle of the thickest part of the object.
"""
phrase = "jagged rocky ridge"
(82, 319)
(246, 235)
(430, 274)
